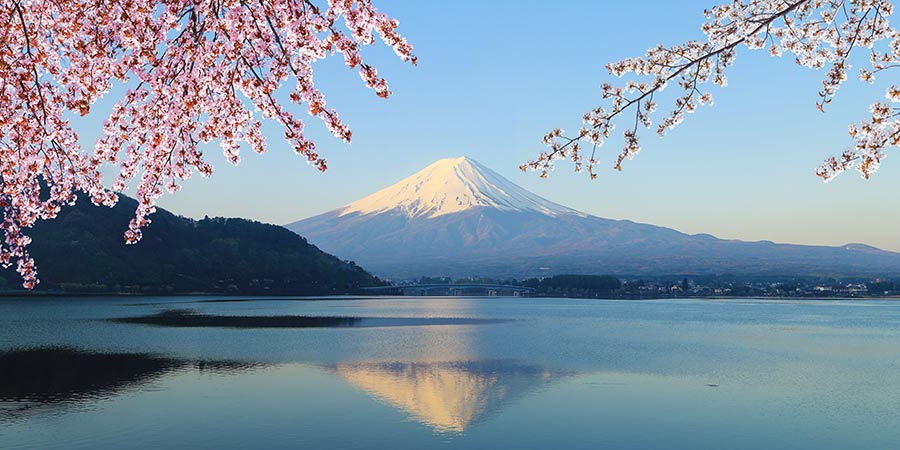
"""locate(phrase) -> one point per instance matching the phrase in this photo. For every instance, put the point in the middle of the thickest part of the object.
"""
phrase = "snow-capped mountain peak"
(450, 186)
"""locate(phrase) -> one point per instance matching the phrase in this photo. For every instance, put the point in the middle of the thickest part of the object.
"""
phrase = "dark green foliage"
(83, 251)
(880, 287)
(575, 285)
(190, 319)
(435, 280)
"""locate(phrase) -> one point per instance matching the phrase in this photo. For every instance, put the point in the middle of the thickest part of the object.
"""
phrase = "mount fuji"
(459, 218)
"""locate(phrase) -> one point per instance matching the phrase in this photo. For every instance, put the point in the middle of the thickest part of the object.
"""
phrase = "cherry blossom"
(820, 34)
(196, 72)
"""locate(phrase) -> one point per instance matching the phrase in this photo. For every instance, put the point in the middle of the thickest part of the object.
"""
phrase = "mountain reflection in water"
(447, 396)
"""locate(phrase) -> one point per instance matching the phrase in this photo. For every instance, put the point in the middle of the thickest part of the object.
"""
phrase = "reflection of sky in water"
(560, 374)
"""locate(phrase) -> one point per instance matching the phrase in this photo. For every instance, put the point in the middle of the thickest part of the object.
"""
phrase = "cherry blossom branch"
(810, 29)
(190, 61)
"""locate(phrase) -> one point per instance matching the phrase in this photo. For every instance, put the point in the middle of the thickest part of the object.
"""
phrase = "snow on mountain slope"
(451, 186)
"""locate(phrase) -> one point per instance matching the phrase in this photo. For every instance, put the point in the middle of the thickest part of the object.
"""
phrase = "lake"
(448, 373)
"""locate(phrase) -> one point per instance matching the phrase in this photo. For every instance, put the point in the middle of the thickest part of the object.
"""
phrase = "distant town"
(610, 287)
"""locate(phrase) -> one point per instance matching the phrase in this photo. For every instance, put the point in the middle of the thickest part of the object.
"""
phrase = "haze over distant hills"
(458, 218)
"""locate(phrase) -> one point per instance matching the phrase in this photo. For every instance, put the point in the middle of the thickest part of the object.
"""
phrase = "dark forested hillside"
(83, 250)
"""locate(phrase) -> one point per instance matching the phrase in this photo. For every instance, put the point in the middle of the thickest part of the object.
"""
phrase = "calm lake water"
(448, 373)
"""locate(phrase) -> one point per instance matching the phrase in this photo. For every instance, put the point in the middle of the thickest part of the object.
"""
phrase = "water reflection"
(48, 379)
(447, 396)
(444, 381)
(180, 318)
(807, 375)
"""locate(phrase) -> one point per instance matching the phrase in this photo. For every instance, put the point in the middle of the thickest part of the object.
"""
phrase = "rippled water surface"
(454, 373)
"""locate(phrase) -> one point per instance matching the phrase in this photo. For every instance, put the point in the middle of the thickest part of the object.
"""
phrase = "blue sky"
(494, 76)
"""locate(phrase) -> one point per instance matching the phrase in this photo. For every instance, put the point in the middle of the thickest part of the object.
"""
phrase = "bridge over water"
(452, 289)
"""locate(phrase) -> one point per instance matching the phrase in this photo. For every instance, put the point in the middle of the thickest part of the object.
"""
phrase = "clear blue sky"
(494, 76)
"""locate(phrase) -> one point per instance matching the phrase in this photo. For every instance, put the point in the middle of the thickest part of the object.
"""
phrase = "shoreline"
(227, 298)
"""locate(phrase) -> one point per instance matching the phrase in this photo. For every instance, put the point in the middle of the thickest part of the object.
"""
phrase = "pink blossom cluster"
(821, 34)
(201, 71)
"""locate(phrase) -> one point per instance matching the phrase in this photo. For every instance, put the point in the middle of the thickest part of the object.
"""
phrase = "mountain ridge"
(503, 232)
(82, 250)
